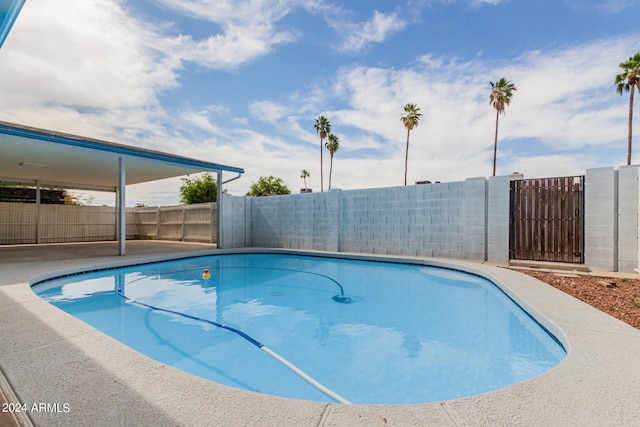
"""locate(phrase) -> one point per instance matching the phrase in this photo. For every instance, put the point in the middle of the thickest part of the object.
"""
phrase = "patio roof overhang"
(41, 157)
(71, 161)
(9, 10)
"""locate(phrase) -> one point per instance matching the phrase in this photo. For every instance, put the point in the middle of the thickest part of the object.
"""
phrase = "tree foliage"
(409, 120)
(500, 97)
(333, 145)
(199, 189)
(627, 81)
(323, 128)
(268, 185)
(48, 195)
(304, 175)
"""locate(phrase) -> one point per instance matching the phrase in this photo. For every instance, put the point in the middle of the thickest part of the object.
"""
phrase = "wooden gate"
(547, 219)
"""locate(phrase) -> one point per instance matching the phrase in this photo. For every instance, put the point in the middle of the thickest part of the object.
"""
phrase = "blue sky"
(242, 82)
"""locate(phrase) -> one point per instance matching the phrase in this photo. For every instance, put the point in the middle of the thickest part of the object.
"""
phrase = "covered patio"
(39, 157)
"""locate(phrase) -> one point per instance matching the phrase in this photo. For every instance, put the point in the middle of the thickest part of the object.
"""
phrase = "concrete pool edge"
(540, 349)
(601, 356)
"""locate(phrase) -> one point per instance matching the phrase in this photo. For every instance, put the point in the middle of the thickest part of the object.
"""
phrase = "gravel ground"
(618, 297)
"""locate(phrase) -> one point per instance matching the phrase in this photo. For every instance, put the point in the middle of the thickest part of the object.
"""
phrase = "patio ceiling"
(51, 158)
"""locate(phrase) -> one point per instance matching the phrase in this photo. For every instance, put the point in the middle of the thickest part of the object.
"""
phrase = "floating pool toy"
(206, 274)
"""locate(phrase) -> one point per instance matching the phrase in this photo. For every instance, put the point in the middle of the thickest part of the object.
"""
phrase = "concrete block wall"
(612, 217)
(475, 242)
(467, 219)
(448, 220)
(628, 213)
(498, 206)
(600, 220)
(417, 220)
(236, 232)
(296, 221)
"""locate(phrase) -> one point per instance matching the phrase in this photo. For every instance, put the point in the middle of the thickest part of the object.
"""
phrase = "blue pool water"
(371, 332)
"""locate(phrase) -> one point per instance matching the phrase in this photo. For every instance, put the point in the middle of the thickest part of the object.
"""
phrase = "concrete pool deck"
(75, 375)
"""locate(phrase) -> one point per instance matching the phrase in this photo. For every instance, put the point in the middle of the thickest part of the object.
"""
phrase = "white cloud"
(549, 165)
(236, 45)
(86, 68)
(375, 30)
(248, 29)
(268, 111)
(491, 2)
(247, 11)
(608, 6)
(90, 68)
(90, 54)
(244, 30)
(565, 102)
(567, 96)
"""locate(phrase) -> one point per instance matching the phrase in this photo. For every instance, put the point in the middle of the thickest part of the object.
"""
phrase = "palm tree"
(410, 121)
(333, 145)
(323, 127)
(501, 94)
(627, 81)
(305, 175)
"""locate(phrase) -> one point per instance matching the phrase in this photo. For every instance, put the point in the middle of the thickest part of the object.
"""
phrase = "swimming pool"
(371, 332)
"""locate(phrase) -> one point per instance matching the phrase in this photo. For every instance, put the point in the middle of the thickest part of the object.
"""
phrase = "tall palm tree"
(410, 120)
(323, 127)
(304, 175)
(333, 145)
(501, 94)
(627, 81)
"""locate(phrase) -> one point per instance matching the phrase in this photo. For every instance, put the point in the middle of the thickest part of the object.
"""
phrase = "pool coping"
(105, 382)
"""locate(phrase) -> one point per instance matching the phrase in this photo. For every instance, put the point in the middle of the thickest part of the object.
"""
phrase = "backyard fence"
(471, 219)
(190, 223)
(547, 219)
(467, 219)
(22, 223)
(25, 223)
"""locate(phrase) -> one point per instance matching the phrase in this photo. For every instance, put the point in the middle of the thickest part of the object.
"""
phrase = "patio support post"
(121, 216)
(38, 220)
(219, 242)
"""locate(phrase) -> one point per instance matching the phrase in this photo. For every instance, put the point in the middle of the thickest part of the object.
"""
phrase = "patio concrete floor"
(88, 378)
